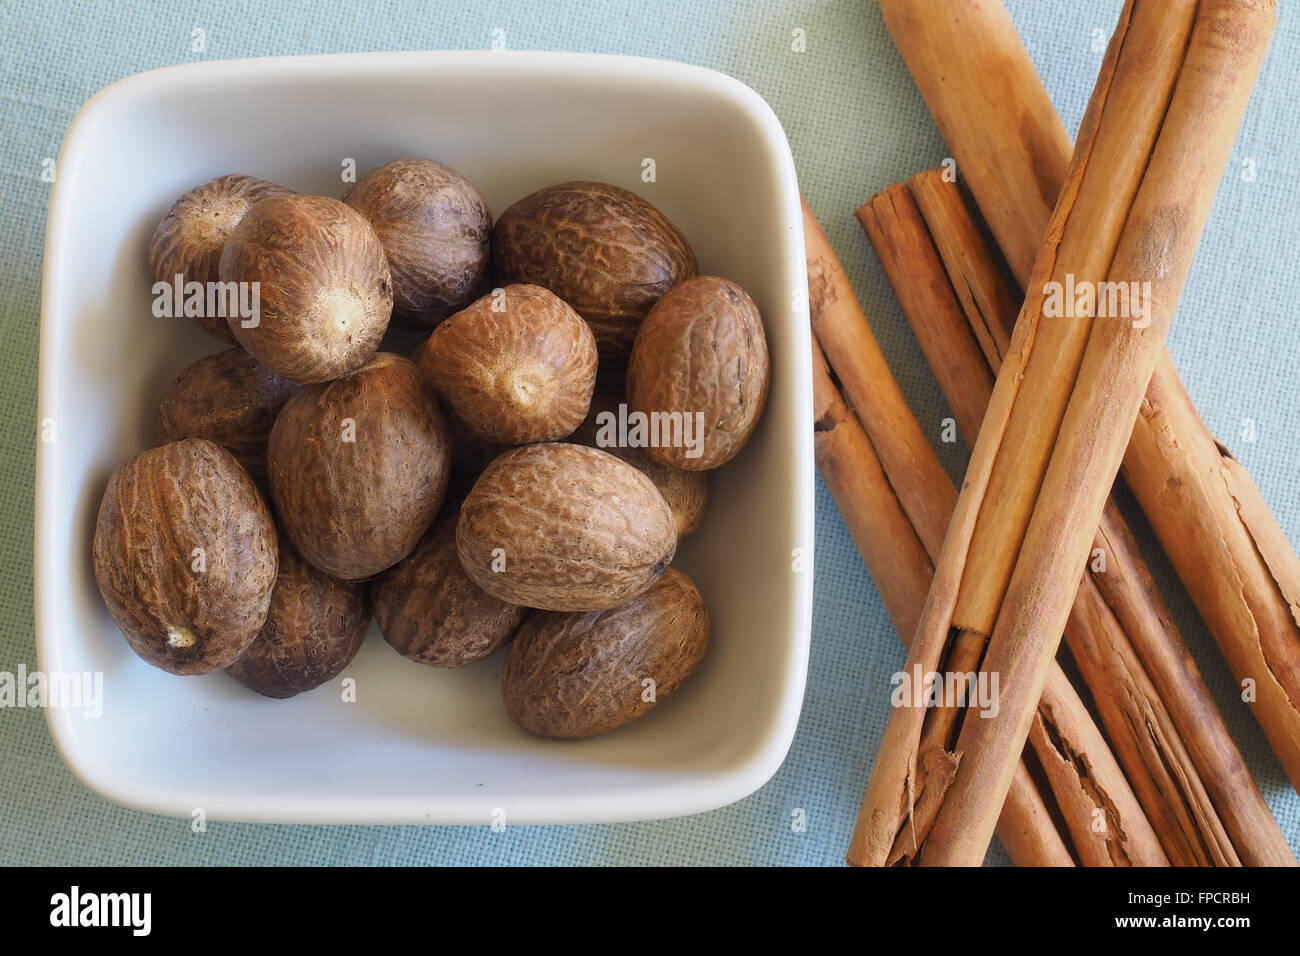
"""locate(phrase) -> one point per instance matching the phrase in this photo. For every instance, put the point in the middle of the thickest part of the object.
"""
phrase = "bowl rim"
(723, 787)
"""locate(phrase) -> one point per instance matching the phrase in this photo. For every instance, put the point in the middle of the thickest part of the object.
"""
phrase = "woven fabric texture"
(856, 124)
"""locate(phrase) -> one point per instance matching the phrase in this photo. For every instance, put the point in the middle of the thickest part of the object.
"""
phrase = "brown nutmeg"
(606, 428)
(602, 249)
(517, 366)
(431, 612)
(189, 240)
(565, 528)
(435, 229)
(578, 675)
(314, 628)
(358, 468)
(700, 364)
(470, 454)
(229, 398)
(324, 291)
(185, 556)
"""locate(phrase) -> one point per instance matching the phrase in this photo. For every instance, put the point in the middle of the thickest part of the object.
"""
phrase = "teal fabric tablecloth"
(856, 124)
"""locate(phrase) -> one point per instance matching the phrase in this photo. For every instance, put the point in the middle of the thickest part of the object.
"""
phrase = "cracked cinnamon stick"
(901, 566)
(1102, 806)
(1012, 151)
(847, 461)
(1155, 141)
(1184, 767)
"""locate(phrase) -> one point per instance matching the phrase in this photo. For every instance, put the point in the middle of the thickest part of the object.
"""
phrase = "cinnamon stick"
(1228, 549)
(1155, 141)
(894, 555)
(1187, 772)
(923, 488)
(898, 561)
(1012, 150)
(1026, 829)
(1063, 741)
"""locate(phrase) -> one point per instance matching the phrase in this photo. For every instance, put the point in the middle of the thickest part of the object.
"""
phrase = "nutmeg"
(314, 628)
(358, 467)
(229, 398)
(517, 366)
(601, 248)
(565, 528)
(700, 369)
(582, 674)
(324, 291)
(432, 613)
(185, 556)
(435, 229)
(189, 240)
(608, 428)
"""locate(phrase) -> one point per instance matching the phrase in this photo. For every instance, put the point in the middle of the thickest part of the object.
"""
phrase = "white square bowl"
(418, 745)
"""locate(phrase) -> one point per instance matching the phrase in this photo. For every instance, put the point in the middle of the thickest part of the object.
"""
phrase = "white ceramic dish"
(418, 744)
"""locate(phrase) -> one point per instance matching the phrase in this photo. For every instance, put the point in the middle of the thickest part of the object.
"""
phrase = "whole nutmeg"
(578, 675)
(565, 528)
(431, 612)
(185, 556)
(189, 240)
(324, 291)
(229, 398)
(610, 427)
(517, 366)
(700, 369)
(358, 467)
(435, 229)
(602, 249)
(313, 630)
(470, 454)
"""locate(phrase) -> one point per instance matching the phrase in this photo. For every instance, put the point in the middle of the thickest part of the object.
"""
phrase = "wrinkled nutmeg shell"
(314, 628)
(189, 240)
(229, 398)
(564, 527)
(687, 492)
(470, 454)
(602, 249)
(431, 612)
(702, 350)
(435, 229)
(325, 295)
(185, 556)
(578, 675)
(517, 366)
(358, 468)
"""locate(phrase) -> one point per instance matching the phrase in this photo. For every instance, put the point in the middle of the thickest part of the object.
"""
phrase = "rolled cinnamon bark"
(898, 561)
(1155, 141)
(1026, 829)
(847, 461)
(1168, 734)
(1012, 151)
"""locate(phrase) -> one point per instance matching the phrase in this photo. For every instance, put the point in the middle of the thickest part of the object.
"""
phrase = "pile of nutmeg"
(523, 476)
